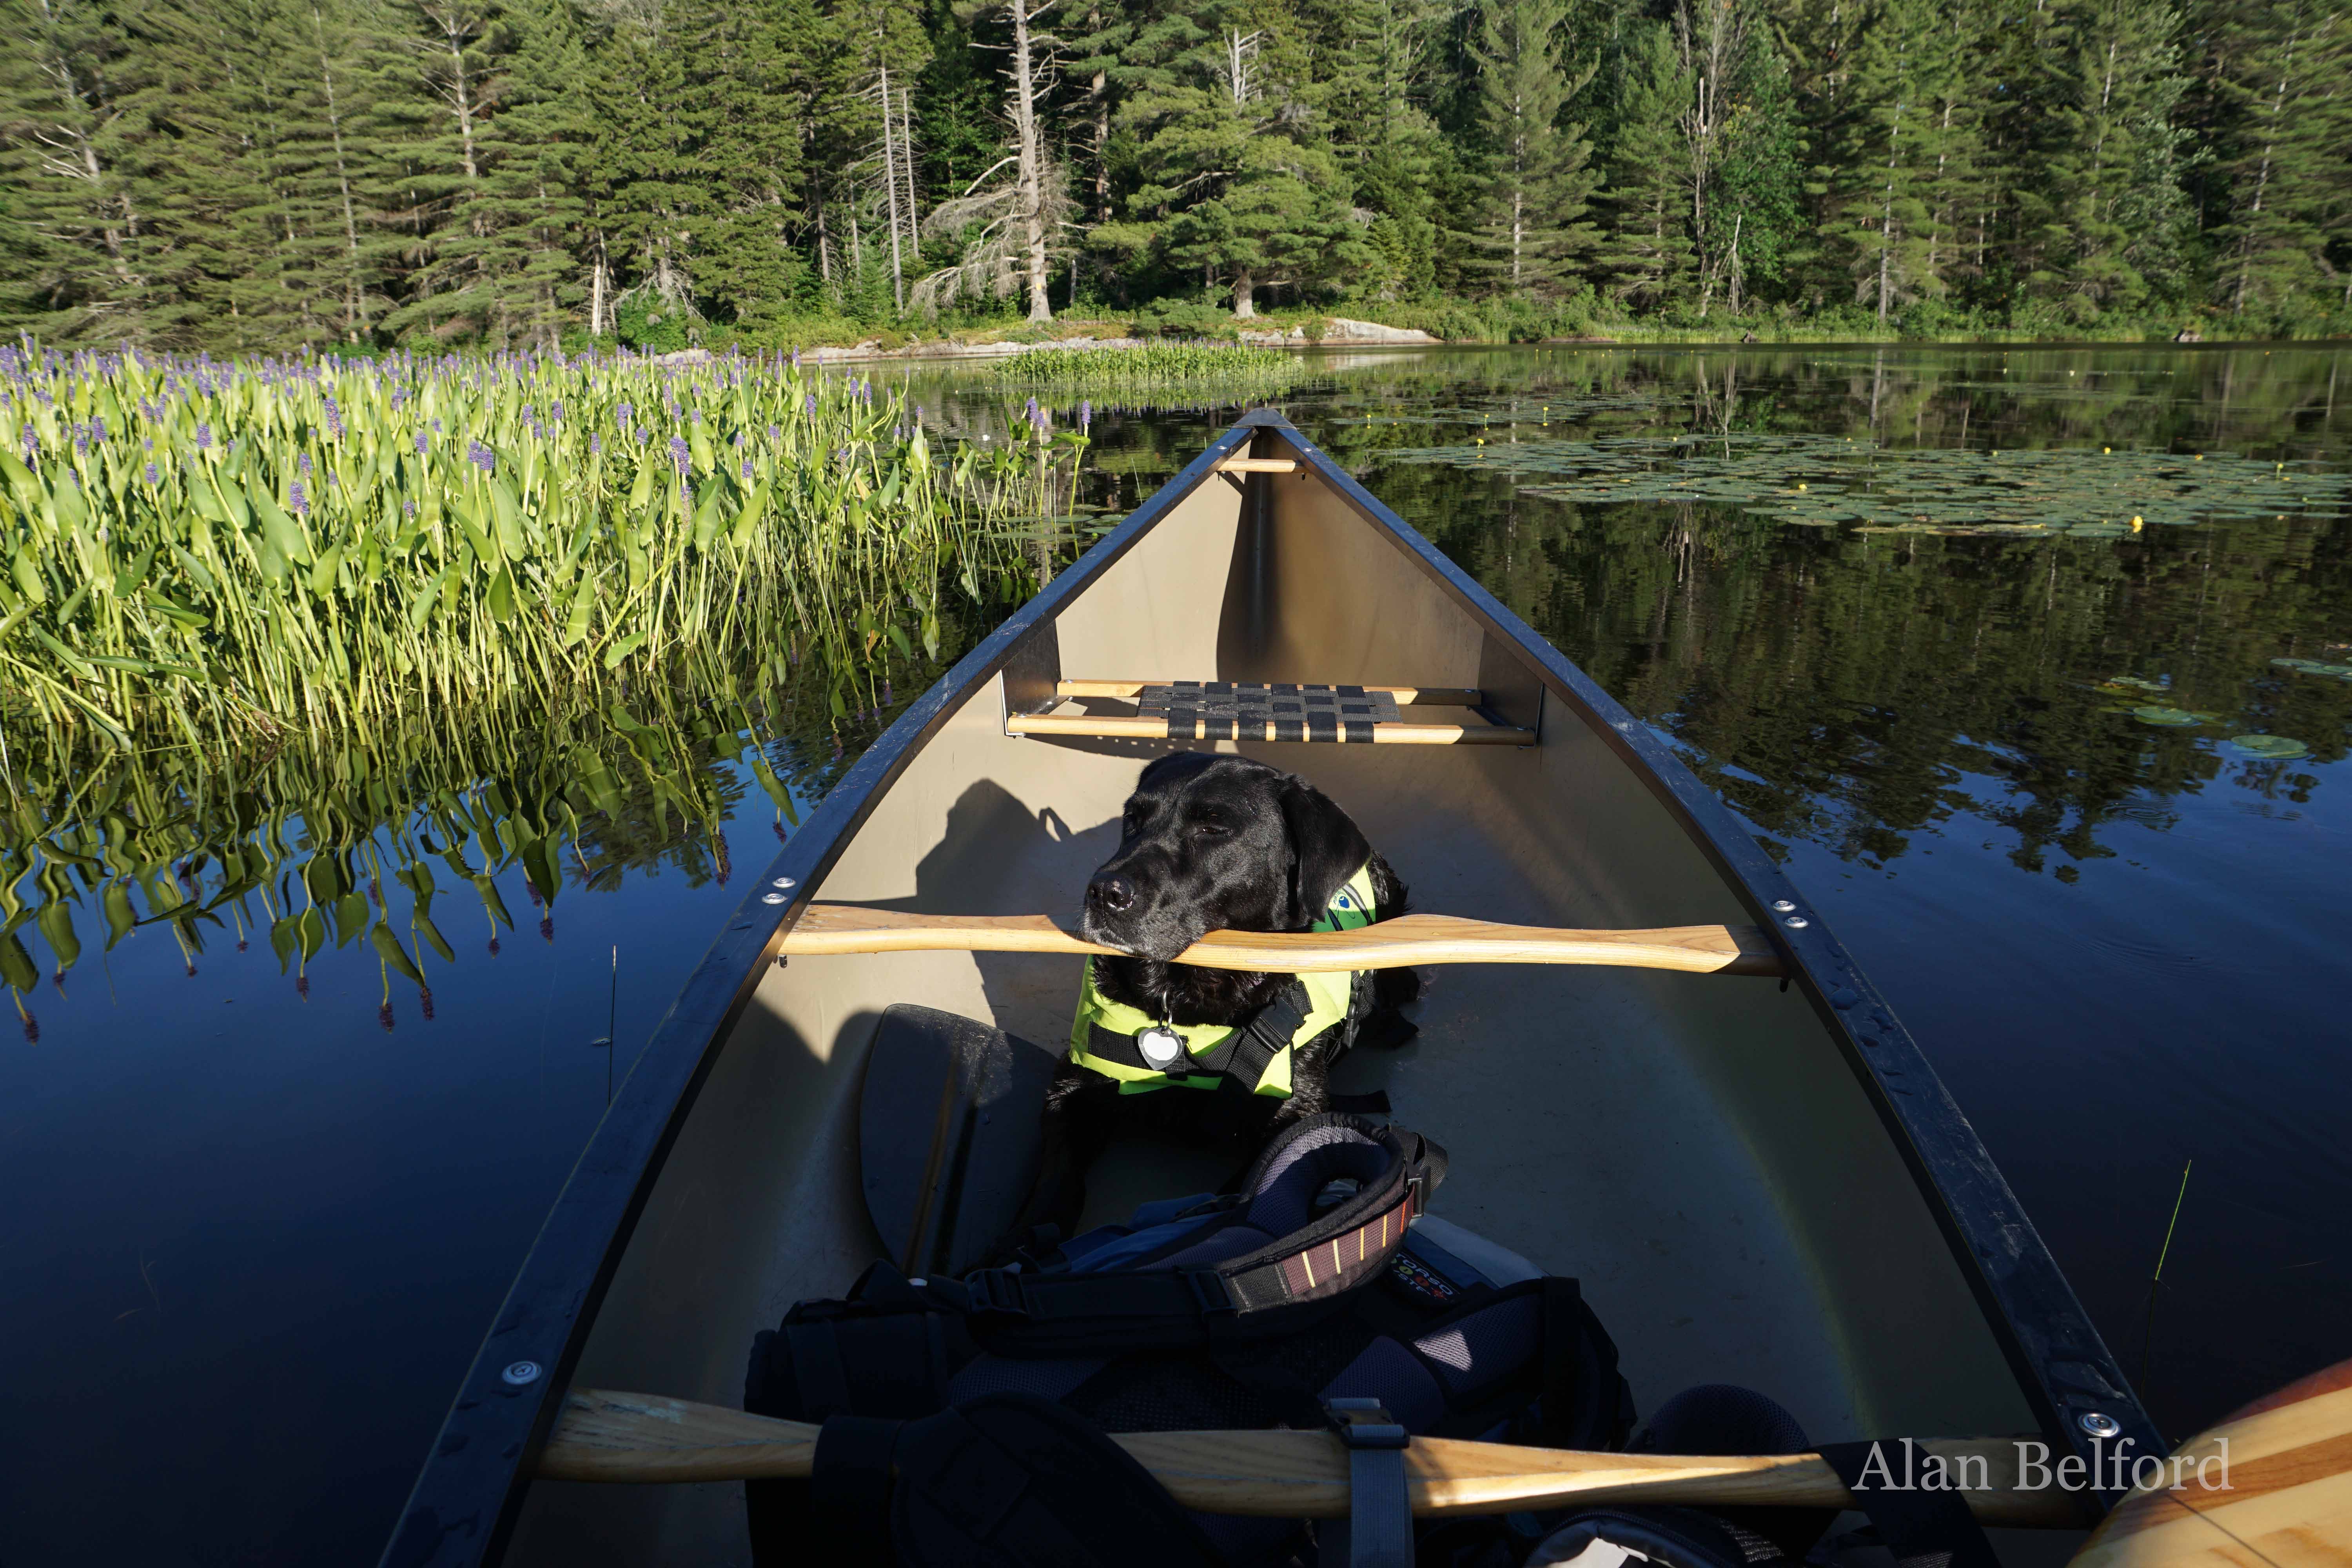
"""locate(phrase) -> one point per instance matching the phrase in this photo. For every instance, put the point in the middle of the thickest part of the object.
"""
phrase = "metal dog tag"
(1161, 1047)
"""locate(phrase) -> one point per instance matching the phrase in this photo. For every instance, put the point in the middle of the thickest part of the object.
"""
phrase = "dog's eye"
(1210, 826)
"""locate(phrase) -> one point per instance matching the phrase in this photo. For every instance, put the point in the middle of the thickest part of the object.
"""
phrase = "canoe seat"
(1246, 710)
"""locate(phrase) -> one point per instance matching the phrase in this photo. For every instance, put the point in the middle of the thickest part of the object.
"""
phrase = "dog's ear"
(1326, 849)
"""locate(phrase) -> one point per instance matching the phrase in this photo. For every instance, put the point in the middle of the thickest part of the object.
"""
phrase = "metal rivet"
(783, 882)
(1796, 922)
(919, 1283)
(521, 1374)
(773, 899)
(2099, 1423)
(1783, 906)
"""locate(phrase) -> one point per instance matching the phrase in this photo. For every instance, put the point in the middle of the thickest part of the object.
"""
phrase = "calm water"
(2042, 769)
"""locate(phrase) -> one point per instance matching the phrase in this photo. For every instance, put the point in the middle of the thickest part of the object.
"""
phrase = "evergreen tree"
(2287, 158)
(1884, 160)
(251, 174)
(1367, 98)
(1249, 200)
(1647, 255)
(74, 223)
(2104, 222)
(1539, 182)
(1759, 179)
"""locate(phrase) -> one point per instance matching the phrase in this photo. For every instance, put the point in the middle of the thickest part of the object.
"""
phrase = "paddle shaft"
(1409, 940)
(634, 1437)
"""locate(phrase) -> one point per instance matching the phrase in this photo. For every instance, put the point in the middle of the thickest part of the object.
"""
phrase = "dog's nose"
(1113, 893)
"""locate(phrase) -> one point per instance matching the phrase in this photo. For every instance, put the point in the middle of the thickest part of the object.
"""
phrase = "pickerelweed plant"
(214, 553)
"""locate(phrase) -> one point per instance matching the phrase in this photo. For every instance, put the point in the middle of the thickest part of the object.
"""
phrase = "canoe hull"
(1755, 1184)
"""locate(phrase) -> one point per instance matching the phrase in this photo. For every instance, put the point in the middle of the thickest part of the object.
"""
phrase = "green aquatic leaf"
(16, 966)
(2169, 716)
(2270, 748)
(351, 912)
(55, 918)
(388, 948)
(121, 919)
(433, 937)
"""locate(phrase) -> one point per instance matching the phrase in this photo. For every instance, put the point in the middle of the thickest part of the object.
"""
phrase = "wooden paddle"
(607, 1436)
(2287, 1503)
(827, 928)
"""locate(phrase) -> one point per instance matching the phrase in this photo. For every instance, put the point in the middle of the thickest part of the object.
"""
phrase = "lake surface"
(2044, 769)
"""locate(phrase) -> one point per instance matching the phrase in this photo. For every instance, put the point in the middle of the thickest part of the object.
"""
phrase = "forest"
(241, 176)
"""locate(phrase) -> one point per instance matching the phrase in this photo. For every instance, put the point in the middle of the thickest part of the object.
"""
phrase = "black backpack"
(1246, 1312)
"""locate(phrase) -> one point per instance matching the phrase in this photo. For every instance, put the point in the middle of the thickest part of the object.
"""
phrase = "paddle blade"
(948, 1128)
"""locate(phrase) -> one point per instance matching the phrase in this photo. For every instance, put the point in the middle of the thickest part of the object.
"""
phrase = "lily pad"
(2169, 716)
(2270, 748)
(2143, 683)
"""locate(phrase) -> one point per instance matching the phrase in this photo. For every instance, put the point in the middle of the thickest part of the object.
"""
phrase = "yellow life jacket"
(1103, 1036)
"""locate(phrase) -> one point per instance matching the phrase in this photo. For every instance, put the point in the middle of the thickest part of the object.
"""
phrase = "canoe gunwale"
(468, 1496)
(2054, 1349)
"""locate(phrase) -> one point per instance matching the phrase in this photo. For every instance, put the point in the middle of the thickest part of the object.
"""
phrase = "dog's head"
(1215, 843)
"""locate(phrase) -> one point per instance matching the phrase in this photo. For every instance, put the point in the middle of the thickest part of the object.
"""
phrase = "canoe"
(1757, 1182)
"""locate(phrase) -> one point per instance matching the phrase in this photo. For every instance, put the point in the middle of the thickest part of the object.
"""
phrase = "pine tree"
(1539, 183)
(1647, 255)
(74, 223)
(2104, 221)
(1883, 159)
(2285, 157)
(1364, 97)
(1237, 186)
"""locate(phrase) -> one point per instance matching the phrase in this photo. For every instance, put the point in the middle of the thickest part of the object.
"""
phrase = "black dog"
(1217, 843)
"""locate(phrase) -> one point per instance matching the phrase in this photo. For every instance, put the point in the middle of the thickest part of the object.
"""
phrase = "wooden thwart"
(1408, 940)
(637, 1437)
(1135, 727)
(1258, 466)
(1402, 696)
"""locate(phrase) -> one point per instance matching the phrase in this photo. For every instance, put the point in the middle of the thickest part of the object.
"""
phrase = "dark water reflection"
(255, 1235)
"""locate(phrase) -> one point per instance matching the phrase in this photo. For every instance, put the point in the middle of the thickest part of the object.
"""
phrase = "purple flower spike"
(98, 428)
(595, 444)
(334, 419)
(203, 436)
(810, 403)
(425, 1002)
(678, 453)
(151, 475)
(775, 433)
(384, 1017)
(420, 443)
(1085, 413)
(481, 456)
(747, 470)
(303, 461)
(298, 499)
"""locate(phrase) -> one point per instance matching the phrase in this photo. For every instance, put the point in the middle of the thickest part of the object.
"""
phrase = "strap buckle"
(1210, 1291)
(998, 1290)
(1365, 1424)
